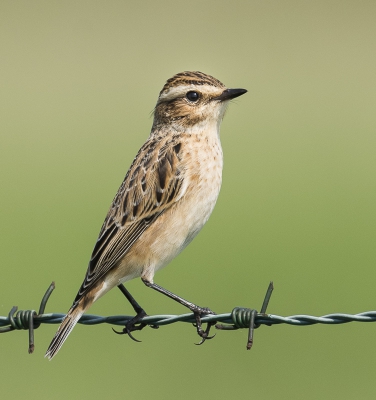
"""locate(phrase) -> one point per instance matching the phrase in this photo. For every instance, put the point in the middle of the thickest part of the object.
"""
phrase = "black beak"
(229, 94)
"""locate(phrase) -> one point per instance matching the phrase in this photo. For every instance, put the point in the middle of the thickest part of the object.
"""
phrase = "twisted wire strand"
(238, 318)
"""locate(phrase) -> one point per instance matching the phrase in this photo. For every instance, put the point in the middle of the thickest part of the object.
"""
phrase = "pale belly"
(187, 220)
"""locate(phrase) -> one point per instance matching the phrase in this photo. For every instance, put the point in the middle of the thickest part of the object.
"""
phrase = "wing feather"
(152, 184)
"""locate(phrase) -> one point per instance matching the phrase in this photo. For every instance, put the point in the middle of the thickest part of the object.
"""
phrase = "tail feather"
(69, 322)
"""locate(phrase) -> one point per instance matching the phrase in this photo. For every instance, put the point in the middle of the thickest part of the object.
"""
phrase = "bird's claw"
(131, 326)
(204, 337)
(204, 334)
(132, 337)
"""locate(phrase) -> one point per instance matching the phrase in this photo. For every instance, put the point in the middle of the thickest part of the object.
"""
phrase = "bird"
(166, 197)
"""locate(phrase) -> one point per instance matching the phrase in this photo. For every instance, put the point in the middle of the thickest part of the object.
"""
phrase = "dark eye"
(192, 96)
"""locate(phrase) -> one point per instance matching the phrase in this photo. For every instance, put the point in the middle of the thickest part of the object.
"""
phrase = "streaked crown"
(191, 78)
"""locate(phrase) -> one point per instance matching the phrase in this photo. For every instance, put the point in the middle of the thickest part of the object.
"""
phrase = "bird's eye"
(192, 96)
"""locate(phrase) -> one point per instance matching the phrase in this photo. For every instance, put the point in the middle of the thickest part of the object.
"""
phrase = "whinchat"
(165, 199)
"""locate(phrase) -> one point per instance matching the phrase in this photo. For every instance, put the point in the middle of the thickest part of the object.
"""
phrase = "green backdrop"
(78, 82)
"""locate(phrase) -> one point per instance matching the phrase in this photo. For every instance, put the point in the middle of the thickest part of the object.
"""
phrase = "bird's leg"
(137, 308)
(197, 311)
(140, 314)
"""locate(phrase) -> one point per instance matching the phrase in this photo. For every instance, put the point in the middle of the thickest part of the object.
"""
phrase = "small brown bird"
(165, 199)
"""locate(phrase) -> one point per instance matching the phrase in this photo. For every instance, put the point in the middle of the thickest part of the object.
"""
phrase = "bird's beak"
(229, 94)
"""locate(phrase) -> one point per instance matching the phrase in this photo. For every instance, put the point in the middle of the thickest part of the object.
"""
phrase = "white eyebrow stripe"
(179, 91)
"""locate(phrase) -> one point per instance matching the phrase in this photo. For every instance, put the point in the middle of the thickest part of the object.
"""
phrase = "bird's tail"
(69, 322)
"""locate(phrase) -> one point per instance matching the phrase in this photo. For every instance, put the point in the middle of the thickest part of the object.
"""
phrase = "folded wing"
(153, 183)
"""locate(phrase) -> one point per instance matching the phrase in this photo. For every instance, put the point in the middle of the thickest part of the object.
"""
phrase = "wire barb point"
(26, 319)
(246, 317)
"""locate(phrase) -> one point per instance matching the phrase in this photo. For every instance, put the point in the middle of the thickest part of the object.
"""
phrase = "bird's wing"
(153, 183)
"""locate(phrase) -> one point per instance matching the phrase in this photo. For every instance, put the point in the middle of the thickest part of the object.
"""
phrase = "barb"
(26, 319)
(238, 318)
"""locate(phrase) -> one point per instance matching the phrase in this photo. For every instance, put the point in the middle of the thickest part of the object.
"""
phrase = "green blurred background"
(78, 82)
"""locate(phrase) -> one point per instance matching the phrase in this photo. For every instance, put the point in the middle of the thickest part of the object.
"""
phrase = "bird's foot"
(204, 334)
(132, 325)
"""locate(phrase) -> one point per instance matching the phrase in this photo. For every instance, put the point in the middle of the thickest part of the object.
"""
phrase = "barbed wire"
(238, 318)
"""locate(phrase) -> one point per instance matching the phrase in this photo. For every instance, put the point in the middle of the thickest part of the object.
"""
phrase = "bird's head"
(191, 98)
